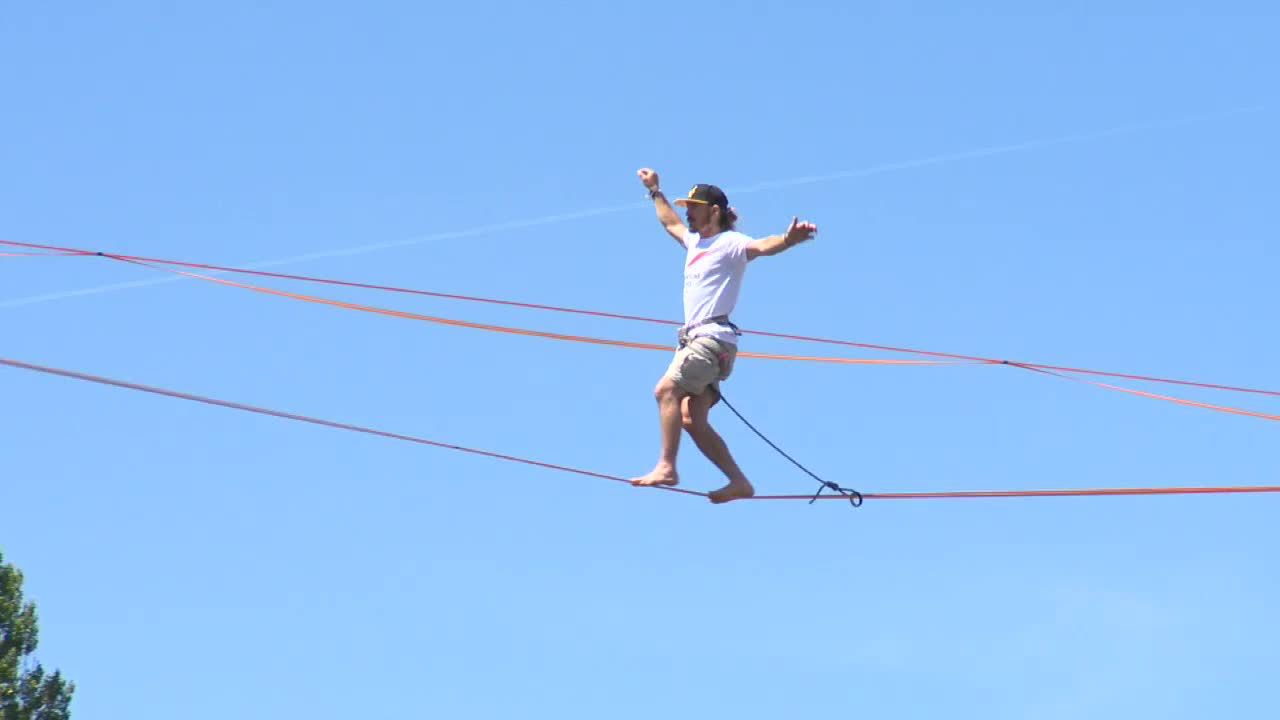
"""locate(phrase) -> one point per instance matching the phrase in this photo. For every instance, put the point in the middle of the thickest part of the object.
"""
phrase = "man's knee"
(666, 389)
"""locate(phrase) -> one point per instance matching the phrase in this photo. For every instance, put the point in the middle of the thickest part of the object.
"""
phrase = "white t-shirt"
(713, 271)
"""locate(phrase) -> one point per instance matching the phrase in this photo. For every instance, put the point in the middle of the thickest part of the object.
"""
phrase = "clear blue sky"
(197, 562)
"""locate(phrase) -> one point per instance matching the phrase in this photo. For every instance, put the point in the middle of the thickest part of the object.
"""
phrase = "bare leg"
(668, 395)
(695, 416)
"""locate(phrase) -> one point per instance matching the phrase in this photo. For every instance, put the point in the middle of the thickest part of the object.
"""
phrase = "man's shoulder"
(738, 240)
(726, 238)
(733, 237)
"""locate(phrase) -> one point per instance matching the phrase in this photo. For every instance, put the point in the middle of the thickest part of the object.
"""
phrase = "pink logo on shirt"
(698, 257)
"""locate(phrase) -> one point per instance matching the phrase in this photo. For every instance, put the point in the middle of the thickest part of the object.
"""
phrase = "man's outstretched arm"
(774, 244)
(666, 214)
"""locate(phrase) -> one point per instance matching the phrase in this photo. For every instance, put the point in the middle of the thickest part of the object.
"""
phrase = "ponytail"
(728, 217)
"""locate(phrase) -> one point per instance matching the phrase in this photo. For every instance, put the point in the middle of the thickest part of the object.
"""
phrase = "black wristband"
(655, 193)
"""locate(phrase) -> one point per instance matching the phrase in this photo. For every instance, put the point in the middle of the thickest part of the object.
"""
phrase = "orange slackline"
(1154, 396)
(650, 346)
(637, 318)
(521, 331)
(1079, 492)
(955, 359)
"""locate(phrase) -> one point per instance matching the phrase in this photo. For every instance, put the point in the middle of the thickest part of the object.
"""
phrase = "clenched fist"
(649, 177)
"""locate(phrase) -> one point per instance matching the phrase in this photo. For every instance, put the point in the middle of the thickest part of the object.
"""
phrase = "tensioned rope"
(638, 318)
(1154, 396)
(64, 253)
(519, 331)
(303, 418)
(959, 494)
(649, 346)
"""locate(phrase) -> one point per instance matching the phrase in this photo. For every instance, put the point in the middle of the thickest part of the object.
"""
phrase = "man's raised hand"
(649, 177)
(798, 232)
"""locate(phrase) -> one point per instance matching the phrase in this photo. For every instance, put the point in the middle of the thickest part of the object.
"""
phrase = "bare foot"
(735, 490)
(661, 475)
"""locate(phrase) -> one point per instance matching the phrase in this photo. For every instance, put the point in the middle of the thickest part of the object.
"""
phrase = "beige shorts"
(703, 362)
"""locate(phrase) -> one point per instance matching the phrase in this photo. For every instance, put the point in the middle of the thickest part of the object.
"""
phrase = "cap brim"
(686, 202)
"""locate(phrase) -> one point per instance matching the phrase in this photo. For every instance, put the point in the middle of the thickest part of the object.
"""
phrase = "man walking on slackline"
(715, 261)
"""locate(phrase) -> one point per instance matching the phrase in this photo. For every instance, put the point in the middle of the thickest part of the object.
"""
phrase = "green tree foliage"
(26, 691)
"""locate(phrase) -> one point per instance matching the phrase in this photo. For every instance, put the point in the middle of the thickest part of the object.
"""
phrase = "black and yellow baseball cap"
(703, 194)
